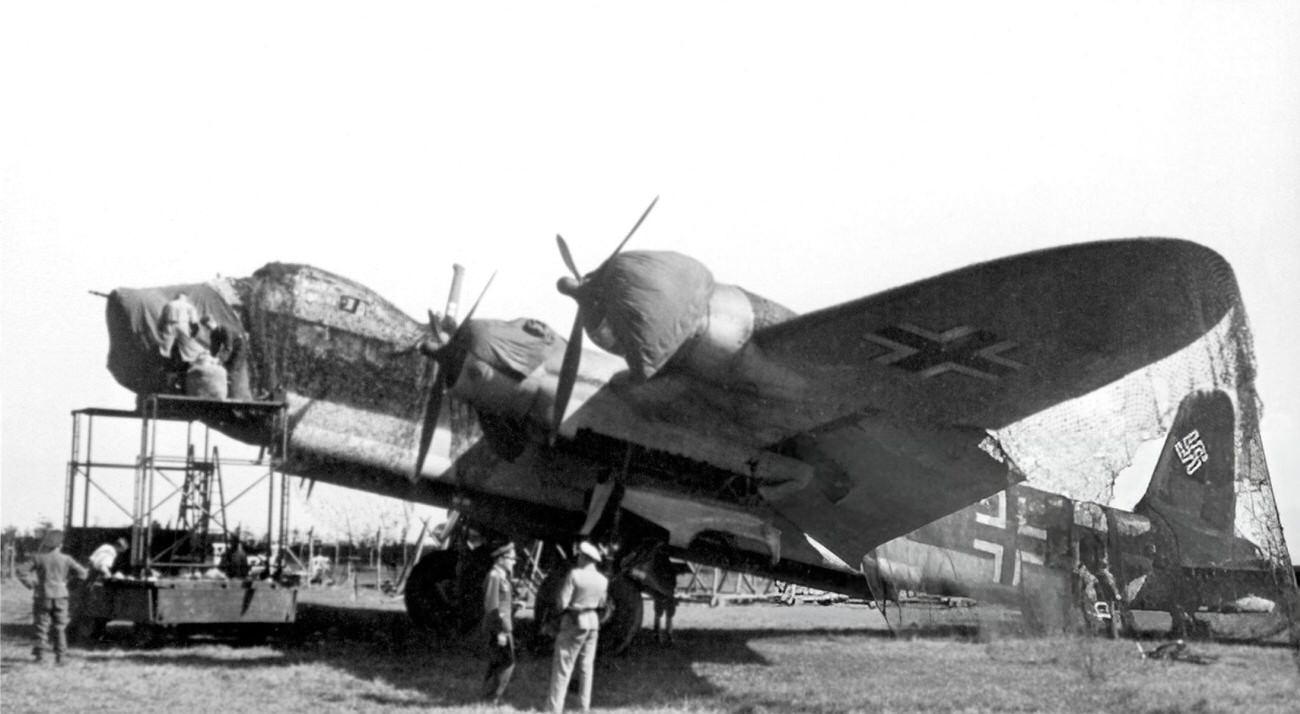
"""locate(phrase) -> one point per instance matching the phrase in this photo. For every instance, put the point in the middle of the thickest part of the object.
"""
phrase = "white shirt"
(582, 593)
(101, 561)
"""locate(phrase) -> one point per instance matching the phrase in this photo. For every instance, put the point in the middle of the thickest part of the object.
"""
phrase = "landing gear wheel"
(444, 592)
(431, 591)
(625, 613)
(546, 621)
(624, 608)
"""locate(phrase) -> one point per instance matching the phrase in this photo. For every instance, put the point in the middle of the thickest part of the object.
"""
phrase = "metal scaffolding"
(189, 479)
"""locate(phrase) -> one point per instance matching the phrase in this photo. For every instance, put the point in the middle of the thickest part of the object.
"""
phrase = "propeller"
(579, 289)
(443, 358)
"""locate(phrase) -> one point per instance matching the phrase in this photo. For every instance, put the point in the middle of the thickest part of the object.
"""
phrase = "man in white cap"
(498, 623)
(581, 598)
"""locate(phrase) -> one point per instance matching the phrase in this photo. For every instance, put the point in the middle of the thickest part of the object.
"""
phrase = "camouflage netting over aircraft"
(336, 351)
(279, 324)
(1066, 449)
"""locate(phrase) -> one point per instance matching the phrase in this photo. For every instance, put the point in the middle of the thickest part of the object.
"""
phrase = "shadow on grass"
(382, 645)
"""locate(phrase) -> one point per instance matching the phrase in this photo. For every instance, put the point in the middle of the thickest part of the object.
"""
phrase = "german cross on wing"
(965, 350)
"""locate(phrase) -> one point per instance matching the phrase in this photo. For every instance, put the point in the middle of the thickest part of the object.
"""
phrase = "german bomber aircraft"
(929, 437)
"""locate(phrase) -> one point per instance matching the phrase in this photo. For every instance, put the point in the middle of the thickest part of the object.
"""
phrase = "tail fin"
(1192, 488)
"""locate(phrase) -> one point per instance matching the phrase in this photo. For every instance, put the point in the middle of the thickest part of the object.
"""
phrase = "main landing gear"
(444, 591)
(624, 613)
(444, 598)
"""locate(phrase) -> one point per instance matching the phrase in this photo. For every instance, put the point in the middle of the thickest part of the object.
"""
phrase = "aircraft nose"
(133, 362)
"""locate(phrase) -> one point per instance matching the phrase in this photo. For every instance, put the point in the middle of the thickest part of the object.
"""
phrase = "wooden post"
(400, 585)
(379, 558)
(311, 555)
(352, 575)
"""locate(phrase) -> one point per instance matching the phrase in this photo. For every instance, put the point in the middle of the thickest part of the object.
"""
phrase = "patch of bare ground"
(350, 655)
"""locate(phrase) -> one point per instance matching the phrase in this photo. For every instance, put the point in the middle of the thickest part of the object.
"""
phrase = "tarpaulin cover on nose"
(141, 338)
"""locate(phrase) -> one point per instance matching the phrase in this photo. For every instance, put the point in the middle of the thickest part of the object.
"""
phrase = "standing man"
(48, 580)
(498, 622)
(581, 598)
(105, 556)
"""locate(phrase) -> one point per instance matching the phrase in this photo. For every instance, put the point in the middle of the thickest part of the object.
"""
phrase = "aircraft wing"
(890, 395)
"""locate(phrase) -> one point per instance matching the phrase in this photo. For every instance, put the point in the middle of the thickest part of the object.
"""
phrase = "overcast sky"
(811, 152)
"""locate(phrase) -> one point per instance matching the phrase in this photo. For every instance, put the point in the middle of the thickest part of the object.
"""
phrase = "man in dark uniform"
(498, 622)
(48, 580)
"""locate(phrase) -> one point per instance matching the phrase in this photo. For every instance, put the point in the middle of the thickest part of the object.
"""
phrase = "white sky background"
(812, 153)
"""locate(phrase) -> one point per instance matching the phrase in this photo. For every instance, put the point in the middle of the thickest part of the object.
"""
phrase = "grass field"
(350, 656)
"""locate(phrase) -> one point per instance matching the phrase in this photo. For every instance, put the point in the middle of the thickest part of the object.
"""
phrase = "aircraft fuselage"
(348, 365)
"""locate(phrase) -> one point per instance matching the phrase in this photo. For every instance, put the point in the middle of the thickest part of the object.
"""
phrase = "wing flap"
(873, 478)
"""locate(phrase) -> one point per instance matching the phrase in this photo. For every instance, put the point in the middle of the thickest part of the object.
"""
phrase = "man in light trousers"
(581, 598)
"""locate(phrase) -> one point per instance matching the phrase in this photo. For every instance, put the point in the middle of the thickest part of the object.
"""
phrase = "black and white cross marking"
(965, 350)
(1007, 538)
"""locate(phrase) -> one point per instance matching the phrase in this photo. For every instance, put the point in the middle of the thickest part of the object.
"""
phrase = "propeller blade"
(568, 257)
(568, 372)
(432, 410)
(469, 315)
(629, 233)
(573, 353)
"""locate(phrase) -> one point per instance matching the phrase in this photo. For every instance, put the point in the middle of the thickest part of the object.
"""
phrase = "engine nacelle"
(656, 307)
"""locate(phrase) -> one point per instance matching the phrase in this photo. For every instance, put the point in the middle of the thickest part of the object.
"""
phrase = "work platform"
(157, 605)
(179, 575)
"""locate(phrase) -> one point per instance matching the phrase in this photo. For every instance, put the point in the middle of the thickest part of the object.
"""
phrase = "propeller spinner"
(579, 288)
(446, 356)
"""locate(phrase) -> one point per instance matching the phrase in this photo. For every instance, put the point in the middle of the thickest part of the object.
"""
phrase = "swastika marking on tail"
(1191, 451)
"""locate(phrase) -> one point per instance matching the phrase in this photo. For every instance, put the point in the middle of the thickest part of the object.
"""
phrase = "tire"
(543, 638)
(444, 592)
(624, 622)
(624, 607)
(430, 594)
